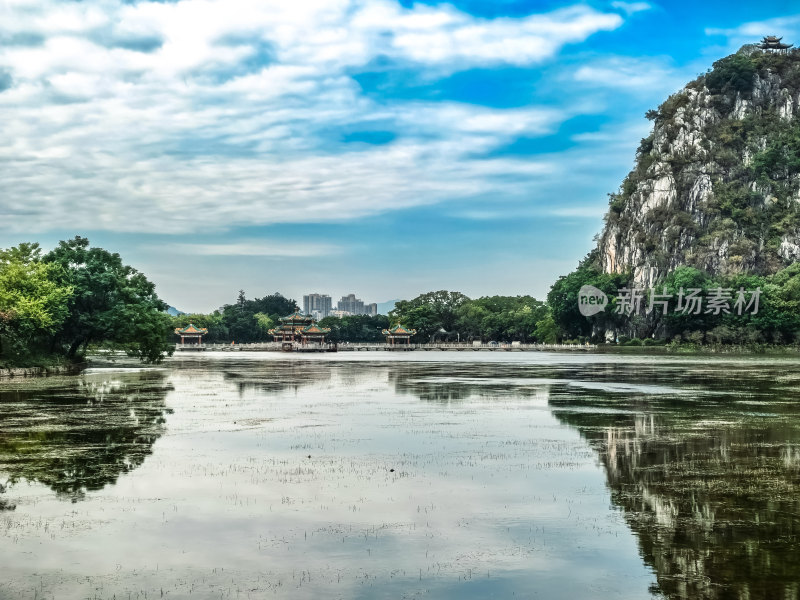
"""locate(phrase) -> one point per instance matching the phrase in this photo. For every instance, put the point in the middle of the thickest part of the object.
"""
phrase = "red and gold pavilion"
(398, 335)
(192, 333)
(299, 328)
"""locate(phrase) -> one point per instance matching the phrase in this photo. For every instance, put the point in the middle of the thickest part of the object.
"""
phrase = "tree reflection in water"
(277, 376)
(709, 482)
(79, 434)
(456, 382)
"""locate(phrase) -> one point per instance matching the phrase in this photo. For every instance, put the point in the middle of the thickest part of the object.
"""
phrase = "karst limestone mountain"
(716, 184)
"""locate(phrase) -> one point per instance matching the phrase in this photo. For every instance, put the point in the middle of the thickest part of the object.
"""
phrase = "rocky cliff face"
(716, 185)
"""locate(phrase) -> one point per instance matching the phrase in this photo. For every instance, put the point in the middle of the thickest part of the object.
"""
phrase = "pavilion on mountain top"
(192, 333)
(772, 42)
(398, 335)
(299, 328)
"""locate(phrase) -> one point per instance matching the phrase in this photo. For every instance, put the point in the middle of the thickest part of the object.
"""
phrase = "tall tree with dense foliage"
(249, 320)
(429, 313)
(563, 299)
(111, 303)
(33, 305)
(508, 318)
(356, 328)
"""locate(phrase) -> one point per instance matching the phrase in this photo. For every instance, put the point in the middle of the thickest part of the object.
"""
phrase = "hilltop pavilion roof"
(773, 42)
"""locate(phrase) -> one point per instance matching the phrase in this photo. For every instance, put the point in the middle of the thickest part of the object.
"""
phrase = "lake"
(404, 475)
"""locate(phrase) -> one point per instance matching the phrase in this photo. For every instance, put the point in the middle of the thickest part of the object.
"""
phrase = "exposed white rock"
(786, 105)
(789, 249)
(682, 176)
(699, 194)
(741, 107)
(663, 194)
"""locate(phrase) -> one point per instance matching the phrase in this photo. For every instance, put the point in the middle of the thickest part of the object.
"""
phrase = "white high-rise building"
(317, 305)
(351, 304)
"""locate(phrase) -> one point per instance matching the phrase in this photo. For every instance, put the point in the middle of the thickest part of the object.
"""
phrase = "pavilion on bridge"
(398, 335)
(299, 328)
(191, 334)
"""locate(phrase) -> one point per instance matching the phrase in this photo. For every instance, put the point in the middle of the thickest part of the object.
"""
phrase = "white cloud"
(258, 248)
(594, 211)
(646, 75)
(753, 31)
(452, 37)
(221, 121)
(630, 8)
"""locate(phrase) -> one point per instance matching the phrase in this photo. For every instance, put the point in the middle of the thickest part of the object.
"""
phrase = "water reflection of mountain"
(79, 434)
(709, 485)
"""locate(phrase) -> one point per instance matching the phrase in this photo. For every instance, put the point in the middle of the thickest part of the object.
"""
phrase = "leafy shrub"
(733, 72)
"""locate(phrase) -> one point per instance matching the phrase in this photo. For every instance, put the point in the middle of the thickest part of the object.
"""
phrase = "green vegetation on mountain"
(716, 185)
(713, 201)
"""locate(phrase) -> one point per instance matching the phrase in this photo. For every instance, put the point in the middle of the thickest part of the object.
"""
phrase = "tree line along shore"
(56, 306)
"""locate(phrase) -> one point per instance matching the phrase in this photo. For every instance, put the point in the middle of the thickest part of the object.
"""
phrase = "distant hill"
(385, 307)
(174, 311)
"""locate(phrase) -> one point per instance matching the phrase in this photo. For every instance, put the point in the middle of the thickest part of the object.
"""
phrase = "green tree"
(500, 318)
(264, 323)
(547, 331)
(240, 320)
(356, 328)
(683, 322)
(732, 73)
(429, 313)
(217, 331)
(32, 304)
(112, 303)
(563, 299)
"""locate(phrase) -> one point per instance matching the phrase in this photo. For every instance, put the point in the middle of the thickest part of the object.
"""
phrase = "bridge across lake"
(383, 347)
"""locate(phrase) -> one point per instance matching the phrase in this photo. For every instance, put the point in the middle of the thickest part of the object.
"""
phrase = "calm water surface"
(381, 475)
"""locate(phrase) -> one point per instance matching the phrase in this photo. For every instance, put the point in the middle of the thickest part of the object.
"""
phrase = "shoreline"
(7, 373)
(25, 372)
(701, 350)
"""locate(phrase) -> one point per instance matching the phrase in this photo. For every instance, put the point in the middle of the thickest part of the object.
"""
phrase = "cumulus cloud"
(208, 114)
(753, 31)
(630, 73)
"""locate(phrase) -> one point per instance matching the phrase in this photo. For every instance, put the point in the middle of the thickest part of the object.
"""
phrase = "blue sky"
(378, 147)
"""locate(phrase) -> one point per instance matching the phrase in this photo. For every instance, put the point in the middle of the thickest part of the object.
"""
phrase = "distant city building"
(352, 305)
(317, 305)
